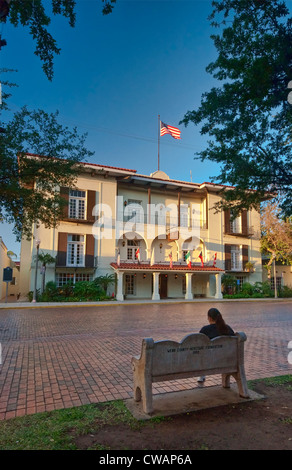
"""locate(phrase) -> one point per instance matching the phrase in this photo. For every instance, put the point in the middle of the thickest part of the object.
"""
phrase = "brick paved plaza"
(68, 356)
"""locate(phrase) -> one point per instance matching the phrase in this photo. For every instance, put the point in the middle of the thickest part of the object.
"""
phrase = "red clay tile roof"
(164, 267)
(87, 163)
(108, 166)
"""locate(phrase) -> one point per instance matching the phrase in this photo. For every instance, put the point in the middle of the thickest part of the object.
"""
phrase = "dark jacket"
(211, 331)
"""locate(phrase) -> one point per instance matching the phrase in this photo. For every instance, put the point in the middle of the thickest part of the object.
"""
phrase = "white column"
(189, 294)
(155, 294)
(120, 295)
(218, 294)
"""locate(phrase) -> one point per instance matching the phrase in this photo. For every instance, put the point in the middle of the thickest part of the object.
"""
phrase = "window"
(134, 211)
(132, 248)
(130, 284)
(77, 201)
(75, 250)
(65, 278)
(184, 215)
(235, 225)
(278, 282)
(236, 264)
(239, 224)
(135, 201)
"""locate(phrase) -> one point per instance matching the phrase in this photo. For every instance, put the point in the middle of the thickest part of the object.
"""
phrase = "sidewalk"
(12, 304)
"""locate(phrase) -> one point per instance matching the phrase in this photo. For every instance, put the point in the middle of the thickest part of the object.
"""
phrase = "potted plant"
(249, 267)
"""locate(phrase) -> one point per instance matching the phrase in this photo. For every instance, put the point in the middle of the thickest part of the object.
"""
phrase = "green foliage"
(285, 291)
(46, 258)
(228, 283)
(105, 281)
(248, 118)
(28, 183)
(247, 288)
(258, 290)
(88, 291)
(34, 15)
(58, 430)
(80, 291)
(278, 380)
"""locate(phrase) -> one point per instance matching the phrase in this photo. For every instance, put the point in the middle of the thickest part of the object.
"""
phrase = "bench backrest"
(196, 352)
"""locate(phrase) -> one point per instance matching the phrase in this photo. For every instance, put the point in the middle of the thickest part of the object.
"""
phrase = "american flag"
(166, 129)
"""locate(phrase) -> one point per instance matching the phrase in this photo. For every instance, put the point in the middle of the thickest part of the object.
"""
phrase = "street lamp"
(37, 242)
(275, 279)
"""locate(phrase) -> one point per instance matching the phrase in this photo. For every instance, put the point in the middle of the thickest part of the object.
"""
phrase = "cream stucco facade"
(113, 212)
(7, 262)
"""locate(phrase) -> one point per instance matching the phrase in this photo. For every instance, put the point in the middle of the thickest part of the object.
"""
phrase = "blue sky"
(115, 75)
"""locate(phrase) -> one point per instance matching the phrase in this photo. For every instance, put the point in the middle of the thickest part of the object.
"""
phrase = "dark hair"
(220, 323)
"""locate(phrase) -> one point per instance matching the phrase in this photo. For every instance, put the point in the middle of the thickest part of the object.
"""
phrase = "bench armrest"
(241, 336)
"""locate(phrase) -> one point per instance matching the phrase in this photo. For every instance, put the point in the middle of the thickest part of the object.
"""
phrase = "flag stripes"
(166, 129)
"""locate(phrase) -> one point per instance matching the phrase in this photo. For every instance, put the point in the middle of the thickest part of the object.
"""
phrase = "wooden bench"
(194, 356)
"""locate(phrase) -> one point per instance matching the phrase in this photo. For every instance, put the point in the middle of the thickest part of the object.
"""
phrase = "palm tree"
(105, 281)
(45, 258)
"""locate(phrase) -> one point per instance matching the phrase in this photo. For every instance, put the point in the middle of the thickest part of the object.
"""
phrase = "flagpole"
(158, 138)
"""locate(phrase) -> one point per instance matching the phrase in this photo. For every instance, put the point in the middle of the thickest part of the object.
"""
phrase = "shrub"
(66, 290)
(229, 284)
(81, 291)
(247, 288)
(105, 281)
(257, 290)
(51, 289)
(30, 295)
(85, 290)
(285, 291)
(238, 295)
(264, 288)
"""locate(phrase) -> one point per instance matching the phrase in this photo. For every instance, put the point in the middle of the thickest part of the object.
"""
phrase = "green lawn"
(57, 430)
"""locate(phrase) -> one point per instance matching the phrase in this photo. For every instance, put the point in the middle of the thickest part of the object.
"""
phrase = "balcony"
(240, 267)
(238, 231)
(87, 261)
(170, 223)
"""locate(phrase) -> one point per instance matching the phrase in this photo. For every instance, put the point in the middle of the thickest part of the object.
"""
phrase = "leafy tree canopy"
(248, 118)
(276, 240)
(34, 15)
(37, 155)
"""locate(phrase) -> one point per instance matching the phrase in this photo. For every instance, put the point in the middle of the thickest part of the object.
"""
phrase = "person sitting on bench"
(216, 327)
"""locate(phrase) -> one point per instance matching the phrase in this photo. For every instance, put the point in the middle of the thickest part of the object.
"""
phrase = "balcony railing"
(171, 223)
(76, 264)
(230, 229)
(164, 263)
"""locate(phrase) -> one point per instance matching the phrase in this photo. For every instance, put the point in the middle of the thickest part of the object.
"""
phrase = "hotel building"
(161, 237)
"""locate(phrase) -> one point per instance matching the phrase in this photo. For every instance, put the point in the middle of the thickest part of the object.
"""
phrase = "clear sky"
(115, 75)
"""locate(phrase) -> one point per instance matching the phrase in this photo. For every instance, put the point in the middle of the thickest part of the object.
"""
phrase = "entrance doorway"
(163, 286)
